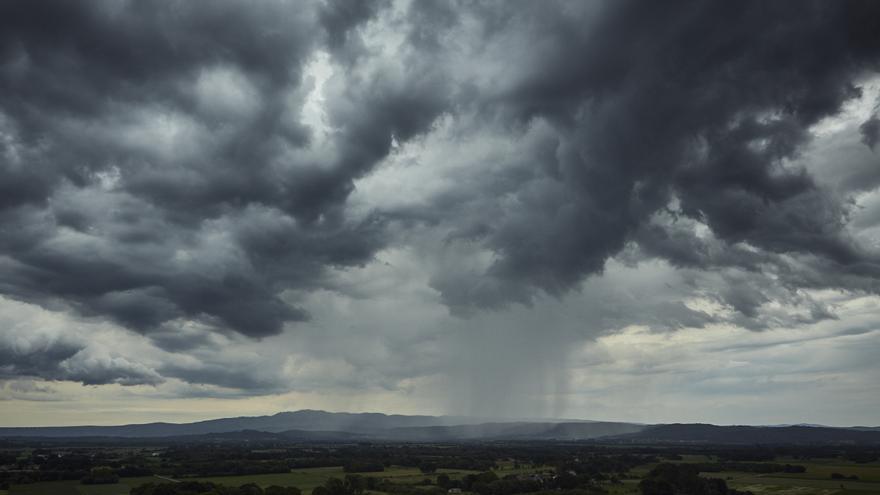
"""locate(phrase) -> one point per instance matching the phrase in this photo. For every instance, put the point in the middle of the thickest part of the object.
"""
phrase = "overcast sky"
(640, 211)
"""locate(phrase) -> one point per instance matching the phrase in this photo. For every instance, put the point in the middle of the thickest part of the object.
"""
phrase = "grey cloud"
(340, 17)
(35, 359)
(157, 168)
(28, 390)
(871, 132)
(68, 359)
(99, 368)
(693, 104)
(247, 377)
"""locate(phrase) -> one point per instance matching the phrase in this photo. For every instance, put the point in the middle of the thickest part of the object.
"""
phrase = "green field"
(822, 471)
(815, 481)
(777, 485)
(76, 488)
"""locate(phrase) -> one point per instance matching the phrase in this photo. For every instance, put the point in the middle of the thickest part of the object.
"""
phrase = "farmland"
(479, 469)
(305, 479)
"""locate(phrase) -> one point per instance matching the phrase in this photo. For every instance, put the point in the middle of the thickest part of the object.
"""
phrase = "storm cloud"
(215, 177)
(694, 107)
(155, 164)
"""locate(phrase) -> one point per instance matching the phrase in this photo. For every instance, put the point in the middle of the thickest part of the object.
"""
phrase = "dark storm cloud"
(99, 214)
(871, 132)
(252, 377)
(157, 167)
(84, 62)
(703, 104)
(68, 359)
(339, 18)
(41, 361)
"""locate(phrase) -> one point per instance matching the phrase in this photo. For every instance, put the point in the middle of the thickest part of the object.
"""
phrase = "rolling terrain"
(321, 426)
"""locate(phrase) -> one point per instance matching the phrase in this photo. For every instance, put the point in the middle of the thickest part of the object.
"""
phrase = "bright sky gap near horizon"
(613, 210)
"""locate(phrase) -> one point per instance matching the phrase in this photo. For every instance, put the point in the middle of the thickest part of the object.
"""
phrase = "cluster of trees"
(209, 460)
(205, 488)
(101, 475)
(838, 476)
(597, 466)
(220, 460)
(38, 465)
(683, 479)
(488, 483)
(25, 477)
(237, 467)
(572, 468)
(467, 463)
(351, 485)
(863, 456)
(231, 459)
(508, 486)
(749, 467)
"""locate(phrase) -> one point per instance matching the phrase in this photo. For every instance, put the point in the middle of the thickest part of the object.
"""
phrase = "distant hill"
(308, 420)
(751, 435)
(375, 425)
(321, 426)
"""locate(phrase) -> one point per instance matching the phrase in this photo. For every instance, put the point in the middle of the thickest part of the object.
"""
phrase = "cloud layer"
(218, 186)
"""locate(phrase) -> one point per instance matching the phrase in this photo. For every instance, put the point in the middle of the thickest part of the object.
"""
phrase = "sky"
(613, 210)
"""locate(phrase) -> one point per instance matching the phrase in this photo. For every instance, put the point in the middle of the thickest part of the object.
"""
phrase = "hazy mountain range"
(321, 426)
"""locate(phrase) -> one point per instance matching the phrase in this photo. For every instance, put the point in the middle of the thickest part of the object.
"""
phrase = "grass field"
(76, 488)
(815, 481)
(823, 471)
(767, 484)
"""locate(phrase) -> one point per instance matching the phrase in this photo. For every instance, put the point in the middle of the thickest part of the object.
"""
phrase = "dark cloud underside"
(157, 168)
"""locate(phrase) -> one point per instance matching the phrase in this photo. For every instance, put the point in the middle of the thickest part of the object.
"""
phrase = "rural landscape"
(424, 455)
(439, 247)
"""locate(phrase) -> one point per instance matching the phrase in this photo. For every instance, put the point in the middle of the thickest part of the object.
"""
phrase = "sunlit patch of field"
(794, 483)
(801, 486)
(823, 471)
(815, 481)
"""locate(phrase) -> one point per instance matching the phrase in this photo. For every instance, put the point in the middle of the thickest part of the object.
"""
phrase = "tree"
(250, 489)
(101, 475)
(354, 484)
(443, 480)
(279, 490)
(683, 479)
(335, 486)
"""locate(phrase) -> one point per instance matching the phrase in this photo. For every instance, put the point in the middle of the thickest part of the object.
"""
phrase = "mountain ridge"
(316, 425)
